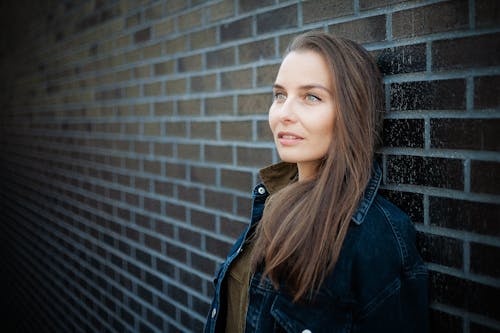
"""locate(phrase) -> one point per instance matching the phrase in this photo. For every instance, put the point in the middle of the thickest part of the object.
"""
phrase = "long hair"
(300, 236)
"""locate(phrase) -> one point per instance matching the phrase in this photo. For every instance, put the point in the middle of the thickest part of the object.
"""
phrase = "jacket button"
(261, 190)
(306, 331)
(214, 312)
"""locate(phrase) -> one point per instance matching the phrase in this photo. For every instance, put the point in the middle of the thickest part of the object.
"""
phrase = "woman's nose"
(287, 112)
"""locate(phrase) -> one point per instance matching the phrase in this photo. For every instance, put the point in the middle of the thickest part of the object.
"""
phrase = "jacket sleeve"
(400, 304)
(401, 307)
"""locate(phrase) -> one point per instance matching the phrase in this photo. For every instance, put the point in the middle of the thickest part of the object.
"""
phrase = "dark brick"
(426, 171)
(190, 107)
(188, 151)
(440, 250)
(200, 306)
(190, 237)
(484, 259)
(203, 38)
(278, 19)
(142, 35)
(217, 247)
(163, 149)
(441, 17)
(202, 220)
(175, 252)
(143, 257)
(154, 281)
(239, 79)
(238, 180)
(203, 83)
(221, 58)
(365, 30)
(152, 242)
(165, 268)
(203, 175)
(163, 188)
(428, 95)
(479, 328)
(402, 59)
(188, 193)
(202, 264)
(366, 4)
(177, 212)
(264, 133)
(203, 130)
(244, 206)
(236, 30)
(467, 52)
(219, 200)
(250, 5)
(256, 157)
(471, 216)
(468, 295)
(175, 170)
(487, 92)
(152, 167)
(255, 51)
(191, 280)
(189, 64)
(254, 103)
(231, 228)
(487, 13)
(155, 319)
(166, 67)
(444, 322)
(411, 203)
(177, 294)
(236, 130)
(152, 205)
(477, 134)
(219, 154)
(219, 105)
(163, 228)
(485, 177)
(404, 133)
(318, 10)
(266, 75)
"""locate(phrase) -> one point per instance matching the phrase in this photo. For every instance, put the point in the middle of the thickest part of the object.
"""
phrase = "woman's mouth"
(289, 139)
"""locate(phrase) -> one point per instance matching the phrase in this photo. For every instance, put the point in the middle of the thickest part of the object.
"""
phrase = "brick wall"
(132, 133)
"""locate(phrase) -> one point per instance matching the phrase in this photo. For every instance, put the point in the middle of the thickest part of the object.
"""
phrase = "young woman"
(324, 252)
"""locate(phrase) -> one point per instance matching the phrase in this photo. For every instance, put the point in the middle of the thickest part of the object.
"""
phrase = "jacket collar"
(277, 176)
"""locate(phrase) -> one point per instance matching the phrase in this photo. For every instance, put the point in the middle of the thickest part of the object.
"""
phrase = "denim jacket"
(379, 283)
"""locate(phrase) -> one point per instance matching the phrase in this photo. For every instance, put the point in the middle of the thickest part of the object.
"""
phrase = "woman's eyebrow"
(305, 87)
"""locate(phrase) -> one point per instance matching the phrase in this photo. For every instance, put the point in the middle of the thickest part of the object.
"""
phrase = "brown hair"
(304, 225)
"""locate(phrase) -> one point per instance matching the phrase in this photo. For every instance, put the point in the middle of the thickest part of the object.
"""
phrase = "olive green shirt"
(274, 177)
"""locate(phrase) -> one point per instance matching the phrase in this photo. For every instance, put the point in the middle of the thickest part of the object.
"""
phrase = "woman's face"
(302, 114)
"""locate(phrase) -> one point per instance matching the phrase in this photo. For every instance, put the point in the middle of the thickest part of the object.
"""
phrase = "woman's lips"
(289, 139)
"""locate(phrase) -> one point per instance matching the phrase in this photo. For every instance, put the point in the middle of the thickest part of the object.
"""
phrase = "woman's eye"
(279, 96)
(312, 98)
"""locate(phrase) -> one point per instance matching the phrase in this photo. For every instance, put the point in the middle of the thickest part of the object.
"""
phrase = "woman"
(324, 252)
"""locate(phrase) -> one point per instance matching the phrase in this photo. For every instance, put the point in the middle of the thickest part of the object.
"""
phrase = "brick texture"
(132, 132)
